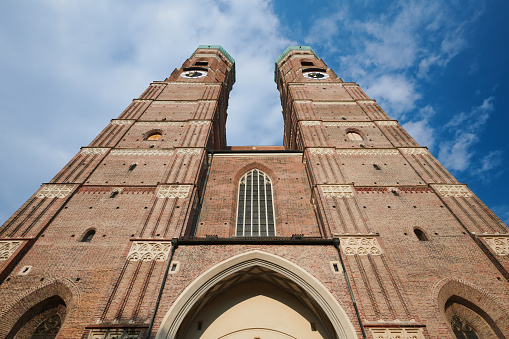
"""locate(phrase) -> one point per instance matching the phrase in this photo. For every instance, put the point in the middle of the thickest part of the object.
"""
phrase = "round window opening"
(315, 75)
(155, 136)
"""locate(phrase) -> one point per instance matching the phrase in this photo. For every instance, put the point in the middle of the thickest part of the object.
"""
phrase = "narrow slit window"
(255, 209)
(354, 136)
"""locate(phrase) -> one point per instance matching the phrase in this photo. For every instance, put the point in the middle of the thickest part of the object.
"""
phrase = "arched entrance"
(39, 313)
(43, 321)
(471, 312)
(256, 294)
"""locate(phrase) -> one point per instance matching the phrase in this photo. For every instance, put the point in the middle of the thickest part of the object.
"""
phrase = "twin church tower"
(158, 229)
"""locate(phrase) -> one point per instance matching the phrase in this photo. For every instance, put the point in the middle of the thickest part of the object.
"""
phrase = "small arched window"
(420, 235)
(154, 136)
(255, 208)
(353, 136)
(88, 236)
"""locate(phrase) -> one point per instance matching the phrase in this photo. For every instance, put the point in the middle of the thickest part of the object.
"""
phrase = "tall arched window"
(255, 208)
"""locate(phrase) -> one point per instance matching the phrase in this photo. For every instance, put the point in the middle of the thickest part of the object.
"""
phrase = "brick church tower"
(158, 229)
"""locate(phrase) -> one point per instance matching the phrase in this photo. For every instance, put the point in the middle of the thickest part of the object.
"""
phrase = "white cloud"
(420, 129)
(457, 154)
(70, 67)
(405, 42)
(396, 93)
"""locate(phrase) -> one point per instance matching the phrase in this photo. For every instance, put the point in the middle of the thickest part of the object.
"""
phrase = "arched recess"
(464, 305)
(219, 276)
(38, 309)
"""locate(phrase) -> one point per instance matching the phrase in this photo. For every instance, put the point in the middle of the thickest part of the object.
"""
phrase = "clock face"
(193, 74)
(315, 75)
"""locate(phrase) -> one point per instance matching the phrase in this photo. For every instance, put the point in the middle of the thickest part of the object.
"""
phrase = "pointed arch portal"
(292, 300)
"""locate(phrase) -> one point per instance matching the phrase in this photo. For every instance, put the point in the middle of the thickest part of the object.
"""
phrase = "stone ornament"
(321, 151)
(414, 151)
(7, 248)
(368, 152)
(159, 123)
(397, 333)
(360, 245)
(149, 251)
(141, 152)
(310, 123)
(94, 151)
(115, 333)
(173, 191)
(199, 122)
(54, 191)
(500, 244)
(337, 191)
(457, 191)
(188, 151)
(348, 124)
(122, 122)
(387, 123)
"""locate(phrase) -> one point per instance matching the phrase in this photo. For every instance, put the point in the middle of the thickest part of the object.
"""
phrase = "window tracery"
(255, 208)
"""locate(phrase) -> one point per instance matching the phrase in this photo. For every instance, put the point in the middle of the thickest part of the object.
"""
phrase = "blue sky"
(68, 67)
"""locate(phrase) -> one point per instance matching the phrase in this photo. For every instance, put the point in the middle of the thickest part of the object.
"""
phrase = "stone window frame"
(241, 228)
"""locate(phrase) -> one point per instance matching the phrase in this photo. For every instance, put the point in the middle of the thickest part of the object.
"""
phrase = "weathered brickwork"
(371, 233)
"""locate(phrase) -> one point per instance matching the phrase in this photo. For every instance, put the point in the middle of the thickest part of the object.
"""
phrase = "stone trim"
(115, 333)
(414, 151)
(149, 251)
(121, 122)
(368, 152)
(173, 191)
(360, 245)
(400, 333)
(349, 124)
(54, 191)
(321, 151)
(130, 151)
(160, 123)
(189, 151)
(310, 123)
(387, 123)
(457, 191)
(8, 247)
(498, 243)
(93, 151)
(199, 122)
(337, 191)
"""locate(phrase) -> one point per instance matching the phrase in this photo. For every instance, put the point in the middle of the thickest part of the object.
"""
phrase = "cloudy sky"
(68, 67)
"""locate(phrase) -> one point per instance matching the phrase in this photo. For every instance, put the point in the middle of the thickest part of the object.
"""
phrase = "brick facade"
(350, 216)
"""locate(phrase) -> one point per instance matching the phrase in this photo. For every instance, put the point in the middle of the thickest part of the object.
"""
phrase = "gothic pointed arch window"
(255, 207)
